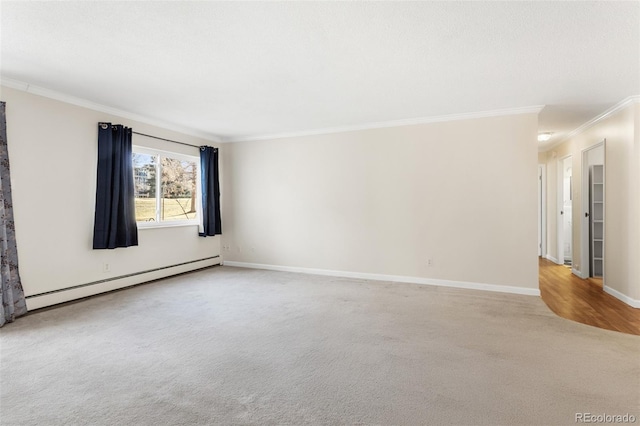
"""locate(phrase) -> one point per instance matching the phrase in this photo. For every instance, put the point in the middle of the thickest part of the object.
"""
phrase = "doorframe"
(585, 221)
(542, 210)
(560, 208)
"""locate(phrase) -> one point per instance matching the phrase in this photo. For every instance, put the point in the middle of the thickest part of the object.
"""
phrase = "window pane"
(144, 178)
(178, 189)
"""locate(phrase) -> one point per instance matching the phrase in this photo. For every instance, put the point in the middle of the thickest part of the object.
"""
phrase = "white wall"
(595, 156)
(53, 156)
(383, 201)
(622, 205)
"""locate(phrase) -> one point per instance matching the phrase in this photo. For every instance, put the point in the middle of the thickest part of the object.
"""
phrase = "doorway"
(542, 210)
(593, 206)
(565, 210)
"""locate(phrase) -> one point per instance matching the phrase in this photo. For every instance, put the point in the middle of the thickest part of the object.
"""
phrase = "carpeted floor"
(236, 346)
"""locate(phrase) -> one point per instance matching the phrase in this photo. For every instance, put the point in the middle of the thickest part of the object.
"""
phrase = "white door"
(565, 210)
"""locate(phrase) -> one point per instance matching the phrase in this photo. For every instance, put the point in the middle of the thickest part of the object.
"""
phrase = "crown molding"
(62, 97)
(535, 109)
(595, 120)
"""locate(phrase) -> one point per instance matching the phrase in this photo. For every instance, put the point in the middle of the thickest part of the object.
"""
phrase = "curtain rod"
(163, 139)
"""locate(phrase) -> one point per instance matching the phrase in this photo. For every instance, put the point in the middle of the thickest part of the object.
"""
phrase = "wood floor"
(584, 300)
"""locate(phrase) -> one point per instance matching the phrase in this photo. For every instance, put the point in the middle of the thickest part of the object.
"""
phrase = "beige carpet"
(235, 346)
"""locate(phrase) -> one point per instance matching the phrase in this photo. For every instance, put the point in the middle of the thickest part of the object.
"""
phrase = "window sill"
(143, 225)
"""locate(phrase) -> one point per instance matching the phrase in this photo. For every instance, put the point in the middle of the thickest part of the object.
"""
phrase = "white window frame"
(137, 149)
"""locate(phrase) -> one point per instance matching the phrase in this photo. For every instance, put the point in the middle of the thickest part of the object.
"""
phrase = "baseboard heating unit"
(53, 297)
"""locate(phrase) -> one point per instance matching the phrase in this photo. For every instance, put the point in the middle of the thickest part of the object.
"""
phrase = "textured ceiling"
(240, 69)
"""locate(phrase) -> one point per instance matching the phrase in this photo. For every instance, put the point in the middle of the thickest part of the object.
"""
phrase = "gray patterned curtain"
(13, 303)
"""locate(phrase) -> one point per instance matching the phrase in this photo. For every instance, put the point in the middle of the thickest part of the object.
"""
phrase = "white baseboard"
(73, 293)
(395, 278)
(634, 303)
(578, 273)
(553, 259)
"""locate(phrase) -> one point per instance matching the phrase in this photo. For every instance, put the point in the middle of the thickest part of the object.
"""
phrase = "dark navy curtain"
(115, 219)
(12, 299)
(211, 223)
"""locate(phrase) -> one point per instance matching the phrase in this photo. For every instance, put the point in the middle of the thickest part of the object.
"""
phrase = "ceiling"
(239, 70)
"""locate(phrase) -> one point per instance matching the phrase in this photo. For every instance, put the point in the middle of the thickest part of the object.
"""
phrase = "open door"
(593, 211)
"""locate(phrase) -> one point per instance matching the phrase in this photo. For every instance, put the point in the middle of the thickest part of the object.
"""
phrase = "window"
(167, 190)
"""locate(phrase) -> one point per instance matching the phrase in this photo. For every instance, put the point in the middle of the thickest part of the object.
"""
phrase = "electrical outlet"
(106, 267)
(429, 262)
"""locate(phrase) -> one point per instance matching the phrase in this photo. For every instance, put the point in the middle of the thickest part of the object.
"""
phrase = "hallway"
(584, 301)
